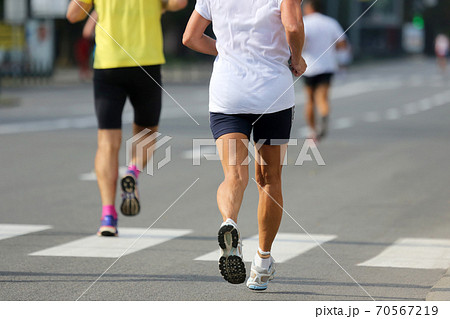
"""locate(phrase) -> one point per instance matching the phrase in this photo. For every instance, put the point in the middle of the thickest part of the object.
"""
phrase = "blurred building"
(28, 36)
(378, 32)
(391, 27)
(35, 36)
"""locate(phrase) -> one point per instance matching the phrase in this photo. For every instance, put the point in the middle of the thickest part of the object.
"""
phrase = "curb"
(441, 290)
(171, 74)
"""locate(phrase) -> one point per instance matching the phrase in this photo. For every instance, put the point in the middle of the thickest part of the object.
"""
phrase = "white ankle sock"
(263, 253)
(262, 262)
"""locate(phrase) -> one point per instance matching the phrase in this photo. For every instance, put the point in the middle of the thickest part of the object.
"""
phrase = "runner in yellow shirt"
(128, 58)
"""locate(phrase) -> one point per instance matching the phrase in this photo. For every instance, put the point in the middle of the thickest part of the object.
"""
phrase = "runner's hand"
(298, 68)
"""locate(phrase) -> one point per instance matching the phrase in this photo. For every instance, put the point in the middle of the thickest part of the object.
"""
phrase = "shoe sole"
(232, 268)
(130, 204)
(262, 286)
(107, 231)
(259, 288)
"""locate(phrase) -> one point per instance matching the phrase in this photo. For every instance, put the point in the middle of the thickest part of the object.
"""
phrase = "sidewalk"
(441, 290)
(171, 74)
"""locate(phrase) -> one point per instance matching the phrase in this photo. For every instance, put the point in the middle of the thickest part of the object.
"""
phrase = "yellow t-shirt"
(128, 33)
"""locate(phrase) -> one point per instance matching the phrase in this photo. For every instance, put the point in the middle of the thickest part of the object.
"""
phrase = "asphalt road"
(379, 208)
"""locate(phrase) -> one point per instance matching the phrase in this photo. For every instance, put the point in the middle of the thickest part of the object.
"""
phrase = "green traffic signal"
(418, 22)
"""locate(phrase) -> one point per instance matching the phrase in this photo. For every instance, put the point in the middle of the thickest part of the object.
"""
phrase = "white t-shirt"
(251, 72)
(442, 45)
(321, 32)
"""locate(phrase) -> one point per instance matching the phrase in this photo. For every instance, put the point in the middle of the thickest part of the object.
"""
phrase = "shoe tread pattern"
(232, 268)
(130, 204)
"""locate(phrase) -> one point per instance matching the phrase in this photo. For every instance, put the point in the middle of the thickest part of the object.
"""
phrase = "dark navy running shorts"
(269, 129)
(315, 81)
(112, 87)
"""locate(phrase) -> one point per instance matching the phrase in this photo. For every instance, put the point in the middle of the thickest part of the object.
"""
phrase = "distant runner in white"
(442, 48)
(255, 40)
(321, 32)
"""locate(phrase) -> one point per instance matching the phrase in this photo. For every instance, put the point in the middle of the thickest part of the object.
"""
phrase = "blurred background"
(36, 41)
(384, 188)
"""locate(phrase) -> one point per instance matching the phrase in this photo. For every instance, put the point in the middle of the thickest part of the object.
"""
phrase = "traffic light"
(418, 22)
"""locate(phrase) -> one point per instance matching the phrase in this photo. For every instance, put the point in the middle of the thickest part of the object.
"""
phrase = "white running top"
(442, 45)
(321, 32)
(251, 71)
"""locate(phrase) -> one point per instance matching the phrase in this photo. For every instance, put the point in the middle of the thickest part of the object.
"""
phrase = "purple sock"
(109, 210)
(133, 169)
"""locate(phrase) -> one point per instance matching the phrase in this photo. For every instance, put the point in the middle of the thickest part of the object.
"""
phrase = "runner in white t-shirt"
(251, 89)
(324, 36)
(442, 48)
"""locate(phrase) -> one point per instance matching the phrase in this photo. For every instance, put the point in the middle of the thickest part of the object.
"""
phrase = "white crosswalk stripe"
(418, 253)
(286, 246)
(11, 230)
(413, 253)
(107, 247)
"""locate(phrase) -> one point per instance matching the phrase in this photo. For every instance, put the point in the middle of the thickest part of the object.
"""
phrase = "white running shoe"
(231, 263)
(260, 277)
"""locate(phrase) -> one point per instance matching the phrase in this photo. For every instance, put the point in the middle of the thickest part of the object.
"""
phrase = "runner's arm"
(292, 19)
(341, 45)
(195, 38)
(78, 10)
(89, 27)
(174, 5)
(340, 36)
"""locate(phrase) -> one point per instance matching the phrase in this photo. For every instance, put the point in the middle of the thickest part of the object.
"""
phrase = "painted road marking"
(91, 176)
(392, 114)
(419, 253)
(372, 117)
(411, 108)
(114, 247)
(286, 246)
(343, 122)
(10, 230)
(199, 155)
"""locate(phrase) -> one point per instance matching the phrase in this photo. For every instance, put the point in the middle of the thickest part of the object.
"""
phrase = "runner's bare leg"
(233, 151)
(268, 178)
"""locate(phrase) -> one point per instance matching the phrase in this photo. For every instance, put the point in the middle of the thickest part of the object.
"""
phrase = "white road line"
(371, 117)
(342, 123)
(191, 155)
(344, 91)
(14, 230)
(411, 108)
(418, 253)
(439, 99)
(48, 125)
(81, 122)
(113, 247)
(91, 176)
(392, 114)
(362, 87)
(425, 105)
(286, 246)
